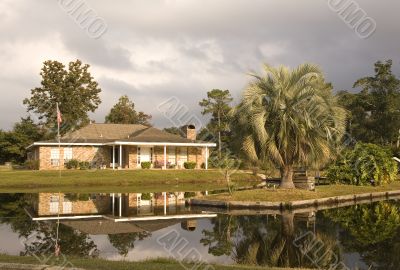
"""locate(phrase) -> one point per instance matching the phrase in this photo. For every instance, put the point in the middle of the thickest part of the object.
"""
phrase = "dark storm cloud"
(156, 49)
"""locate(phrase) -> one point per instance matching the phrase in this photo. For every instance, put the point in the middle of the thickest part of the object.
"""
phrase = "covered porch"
(128, 155)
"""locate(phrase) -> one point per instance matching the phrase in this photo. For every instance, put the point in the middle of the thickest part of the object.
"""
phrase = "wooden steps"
(301, 179)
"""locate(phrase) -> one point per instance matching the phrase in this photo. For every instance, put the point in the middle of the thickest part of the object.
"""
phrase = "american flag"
(59, 118)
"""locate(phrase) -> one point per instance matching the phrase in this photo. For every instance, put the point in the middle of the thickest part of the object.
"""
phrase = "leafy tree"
(74, 89)
(366, 164)
(359, 126)
(291, 118)
(218, 105)
(13, 143)
(124, 113)
(374, 112)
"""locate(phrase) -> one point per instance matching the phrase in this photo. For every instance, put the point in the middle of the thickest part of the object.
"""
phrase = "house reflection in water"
(110, 213)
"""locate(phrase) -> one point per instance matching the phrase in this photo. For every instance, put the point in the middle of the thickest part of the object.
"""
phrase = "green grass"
(282, 195)
(5, 168)
(127, 181)
(158, 264)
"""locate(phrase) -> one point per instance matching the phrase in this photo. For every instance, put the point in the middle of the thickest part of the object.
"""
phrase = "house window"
(67, 154)
(55, 157)
(54, 204)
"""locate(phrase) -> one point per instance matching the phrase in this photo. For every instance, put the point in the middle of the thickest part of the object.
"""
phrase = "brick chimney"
(190, 132)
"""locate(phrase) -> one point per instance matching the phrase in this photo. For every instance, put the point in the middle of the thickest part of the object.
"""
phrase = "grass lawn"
(126, 181)
(159, 264)
(282, 195)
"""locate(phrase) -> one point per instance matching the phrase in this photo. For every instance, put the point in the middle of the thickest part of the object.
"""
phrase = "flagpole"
(59, 140)
(57, 247)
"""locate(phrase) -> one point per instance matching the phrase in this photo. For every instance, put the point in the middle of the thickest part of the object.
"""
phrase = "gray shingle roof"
(104, 226)
(103, 133)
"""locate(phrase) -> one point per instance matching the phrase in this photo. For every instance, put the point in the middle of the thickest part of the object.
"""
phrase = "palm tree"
(291, 118)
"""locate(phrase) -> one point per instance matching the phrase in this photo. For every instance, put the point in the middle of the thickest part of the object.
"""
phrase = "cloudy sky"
(157, 49)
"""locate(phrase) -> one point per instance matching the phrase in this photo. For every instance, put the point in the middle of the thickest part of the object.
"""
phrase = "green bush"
(188, 194)
(189, 165)
(146, 196)
(146, 165)
(72, 164)
(74, 197)
(84, 165)
(364, 165)
(32, 164)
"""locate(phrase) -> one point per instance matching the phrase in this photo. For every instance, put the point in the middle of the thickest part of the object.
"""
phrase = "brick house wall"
(92, 154)
(102, 155)
(131, 152)
(99, 205)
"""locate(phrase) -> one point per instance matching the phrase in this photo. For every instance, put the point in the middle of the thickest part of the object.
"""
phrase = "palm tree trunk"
(287, 177)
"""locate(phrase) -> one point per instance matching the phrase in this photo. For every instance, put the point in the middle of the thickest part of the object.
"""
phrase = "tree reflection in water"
(42, 234)
(372, 230)
(124, 242)
(266, 241)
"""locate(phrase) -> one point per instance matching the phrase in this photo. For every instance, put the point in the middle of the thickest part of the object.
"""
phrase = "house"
(99, 214)
(122, 146)
(115, 207)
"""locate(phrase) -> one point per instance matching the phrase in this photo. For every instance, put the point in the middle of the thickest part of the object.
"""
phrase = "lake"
(139, 226)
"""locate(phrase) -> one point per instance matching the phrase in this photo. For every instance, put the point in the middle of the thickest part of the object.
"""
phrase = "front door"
(145, 154)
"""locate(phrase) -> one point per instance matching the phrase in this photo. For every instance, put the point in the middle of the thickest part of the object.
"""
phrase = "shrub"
(32, 164)
(365, 164)
(189, 165)
(146, 165)
(146, 196)
(74, 197)
(188, 194)
(84, 165)
(72, 164)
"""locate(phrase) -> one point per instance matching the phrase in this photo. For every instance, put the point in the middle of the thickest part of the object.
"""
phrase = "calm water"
(141, 226)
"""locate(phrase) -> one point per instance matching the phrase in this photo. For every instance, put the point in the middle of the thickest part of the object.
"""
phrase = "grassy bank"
(127, 181)
(281, 195)
(160, 264)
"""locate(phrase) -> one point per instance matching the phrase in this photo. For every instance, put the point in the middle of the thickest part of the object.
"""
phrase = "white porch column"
(206, 162)
(120, 205)
(113, 158)
(165, 157)
(165, 203)
(120, 156)
(137, 157)
(113, 203)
